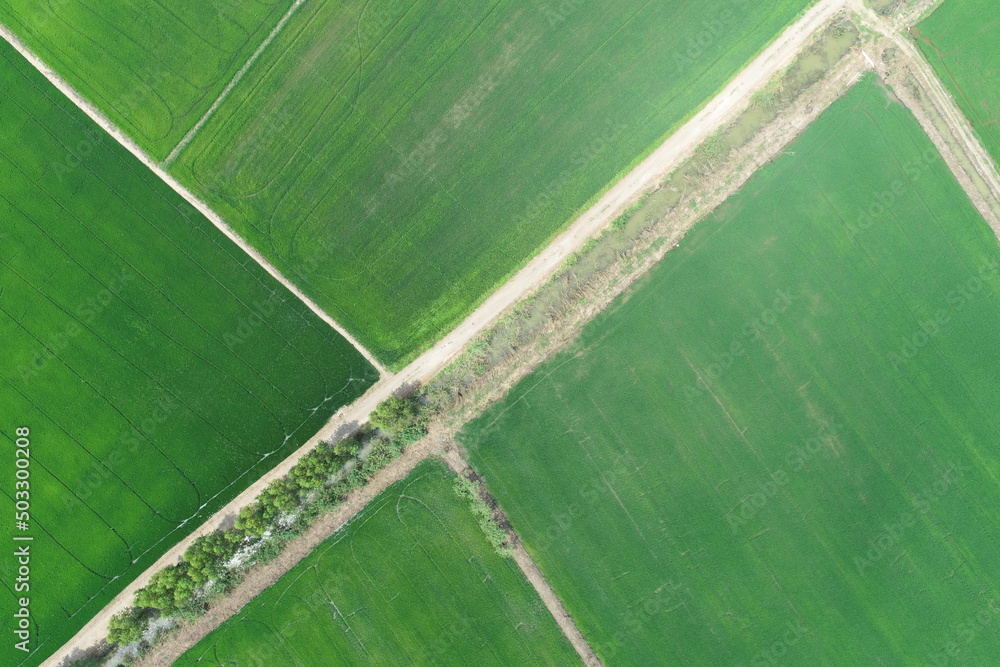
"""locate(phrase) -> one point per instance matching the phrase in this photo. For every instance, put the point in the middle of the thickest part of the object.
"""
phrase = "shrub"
(207, 555)
(251, 520)
(127, 626)
(178, 591)
(402, 419)
(279, 496)
(497, 536)
(315, 468)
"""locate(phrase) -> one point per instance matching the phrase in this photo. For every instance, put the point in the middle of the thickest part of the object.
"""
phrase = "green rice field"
(399, 160)
(960, 40)
(411, 581)
(154, 68)
(156, 367)
(779, 448)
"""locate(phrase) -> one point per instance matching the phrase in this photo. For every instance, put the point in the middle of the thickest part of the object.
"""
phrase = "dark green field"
(960, 40)
(154, 68)
(411, 581)
(399, 160)
(780, 448)
(158, 368)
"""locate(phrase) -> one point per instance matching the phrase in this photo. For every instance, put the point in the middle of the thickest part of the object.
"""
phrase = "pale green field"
(411, 581)
(780, 447)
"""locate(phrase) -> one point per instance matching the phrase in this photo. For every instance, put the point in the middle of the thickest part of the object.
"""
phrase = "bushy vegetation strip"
(318, 484)
(409, 581)
(470, 489)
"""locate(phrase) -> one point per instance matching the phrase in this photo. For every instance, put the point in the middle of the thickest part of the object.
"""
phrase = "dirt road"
(538, 581)
(201, 206)
(721, 109)
(183, 143)
(257, 581)
(957, 124)
(750, 158)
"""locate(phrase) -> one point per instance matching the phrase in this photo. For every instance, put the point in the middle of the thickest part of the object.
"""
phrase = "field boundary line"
(189, 137)
(458, 465)
(263, 577)
(105, 123)
(979, 160)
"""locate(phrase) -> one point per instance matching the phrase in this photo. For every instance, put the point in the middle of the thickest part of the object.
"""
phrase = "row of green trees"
(281, 512)
(285, 495)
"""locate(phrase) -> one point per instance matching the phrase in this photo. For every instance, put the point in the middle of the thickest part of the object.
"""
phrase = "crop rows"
(959, 39)
(412, 580)
(782, 440)
(398, 160)
(158, 367)
(154, 68)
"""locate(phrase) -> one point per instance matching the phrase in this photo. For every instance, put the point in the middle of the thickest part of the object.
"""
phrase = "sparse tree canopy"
(401, 418)
(251, 520)
(126, 627)
(278, 497)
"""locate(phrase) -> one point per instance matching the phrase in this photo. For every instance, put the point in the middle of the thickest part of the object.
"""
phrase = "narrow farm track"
(537, 580)
(957, 124)
(261, 578)
(191, 199)
(182, 144)
(736, 96)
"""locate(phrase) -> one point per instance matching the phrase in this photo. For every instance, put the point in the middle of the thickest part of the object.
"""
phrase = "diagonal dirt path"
(105, 123)
(182, 144)
(165, 653)
(770, 144)
(537, 580)
(736, 96)
(976, 158)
